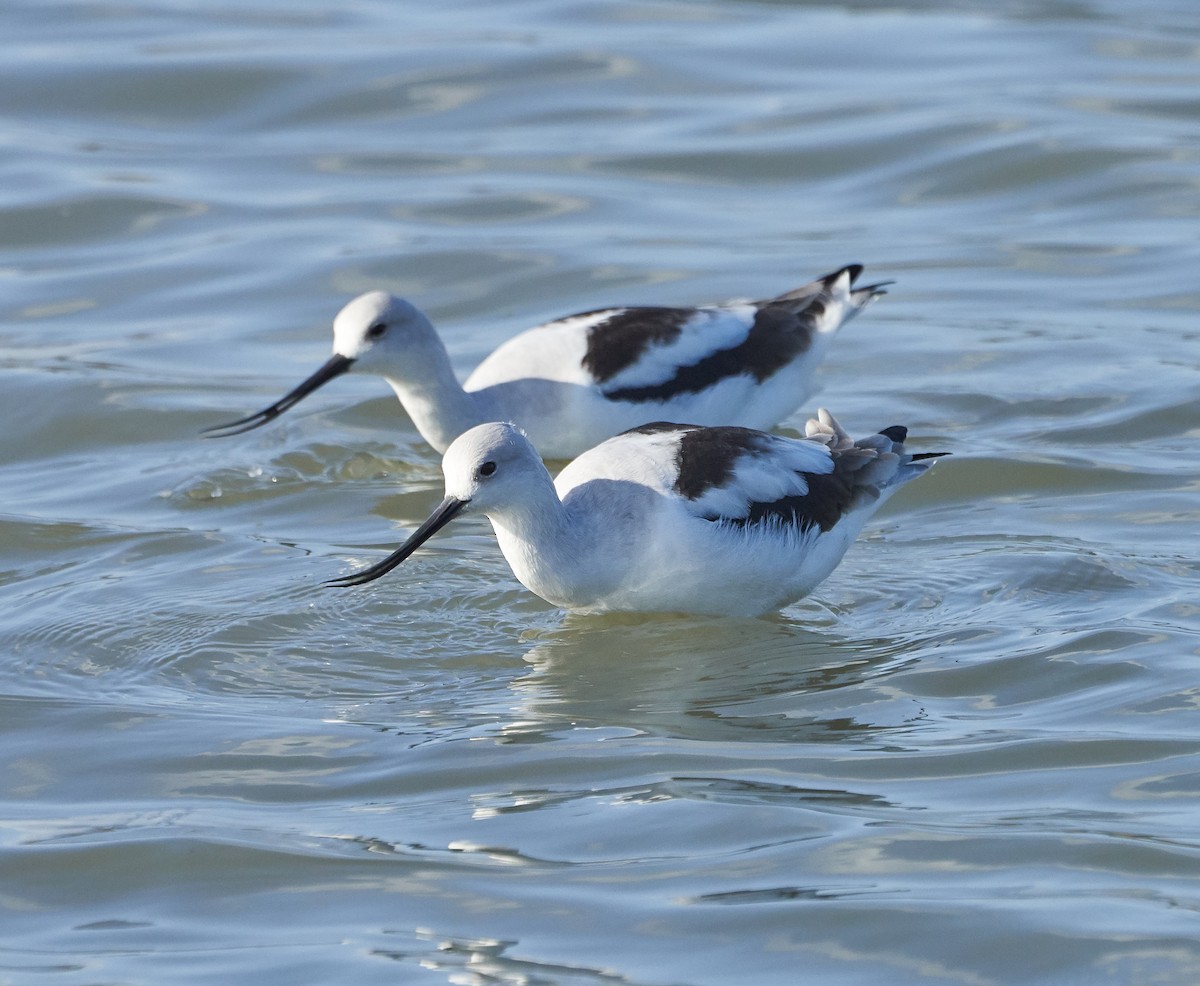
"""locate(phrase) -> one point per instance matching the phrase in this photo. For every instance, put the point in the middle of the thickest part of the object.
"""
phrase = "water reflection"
(760, 680)
(481, 960)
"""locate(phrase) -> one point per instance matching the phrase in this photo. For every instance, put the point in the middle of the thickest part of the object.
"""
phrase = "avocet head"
(376, 326)
(488, 465)
(377, 333)
(487, 468)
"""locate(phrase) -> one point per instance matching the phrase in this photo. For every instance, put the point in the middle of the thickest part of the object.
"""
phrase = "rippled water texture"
(970, 757)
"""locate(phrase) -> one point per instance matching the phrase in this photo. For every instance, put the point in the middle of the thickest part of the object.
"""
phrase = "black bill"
(445, 512)
(335, 366)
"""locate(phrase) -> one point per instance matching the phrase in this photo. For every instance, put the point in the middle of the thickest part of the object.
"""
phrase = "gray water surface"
(970, 757)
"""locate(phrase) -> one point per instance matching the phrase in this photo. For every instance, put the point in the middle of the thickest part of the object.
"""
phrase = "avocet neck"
(439, 407)
(554, 551)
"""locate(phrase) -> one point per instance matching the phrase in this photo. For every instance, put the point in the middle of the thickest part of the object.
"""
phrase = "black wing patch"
(782, 329)
(829, 496)
(618, 341)
(707, 458)
(777, 336)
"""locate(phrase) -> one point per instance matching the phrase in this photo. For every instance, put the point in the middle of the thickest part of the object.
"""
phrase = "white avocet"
(670, 517)
(571, 383)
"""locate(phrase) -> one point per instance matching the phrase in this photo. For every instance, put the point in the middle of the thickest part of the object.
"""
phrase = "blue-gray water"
(971, 757)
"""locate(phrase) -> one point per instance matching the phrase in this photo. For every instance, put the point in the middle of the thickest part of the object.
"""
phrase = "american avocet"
(670, 517)
(576, 381)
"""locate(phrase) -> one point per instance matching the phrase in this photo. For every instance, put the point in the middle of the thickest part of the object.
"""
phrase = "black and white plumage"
(573, 382)
(670, 517)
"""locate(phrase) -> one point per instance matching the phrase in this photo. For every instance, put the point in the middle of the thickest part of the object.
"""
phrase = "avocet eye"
(487, 469)
(376, 330)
